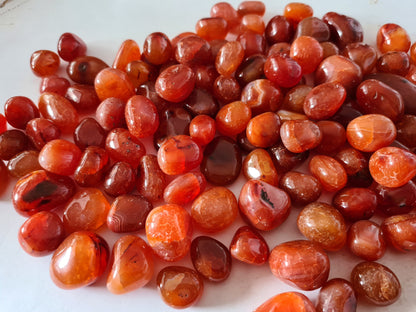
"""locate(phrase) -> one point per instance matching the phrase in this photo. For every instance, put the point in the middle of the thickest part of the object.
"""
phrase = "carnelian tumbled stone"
(344, 29)
(110, 114)
(87, 210)
(193, 50)
(44, 63)
(169, 231)
(356, 203)
(184, 188)
(60, 157)
(392, 166)
(70, 46)
(41, 190)
(301, 187)
(175, 83)
(12, 142)
(307, 52)
(23, 163)
(336, 295)
(59, 110)
(89, 133)
(119, 179)
(400, 231)
(112, 82)
(141, 116)
(392, 37)
(132, 266)
(263, 205)
(129, 51)
(249, 246)
(179, 154)
(259, 165)
(215, 209)
(330, 173)
(211, 258)
(202, 129)
(179, 287)
(128, 213)
(92, 166)
(19, 110)
(79, 260)
(300, 263)
(233, 118)
(263, 130)
(282, 71)
(41, 234)
(40, 131)
(229, 58)
(151, 180)
(300, 135)
(157, 48)
(289, 301)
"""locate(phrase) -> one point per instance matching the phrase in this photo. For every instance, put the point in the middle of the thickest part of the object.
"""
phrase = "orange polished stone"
(60, 157)
(112, 82)
(289, 301)
(233, 118)
(259, 165)
(141, 116)
(249, 246)
(184, 188)
(330, 173)
(132, 266)
(169, 232)
(300, 135)
(229, 58)
(263, 130)
(129, 51)
(79, 261)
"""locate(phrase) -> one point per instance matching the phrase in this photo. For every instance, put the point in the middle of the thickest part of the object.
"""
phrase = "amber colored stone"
(205, 77)
(44, 63)
(201, 102)
(211, 258)
(250, 69)
(323, 224)
(330, 173)
(179, 287)
(60, 157)
(4, 177)
(3, 123)
(184, 188)
(282, 71)
(336, 295)
(175, 83)
(12, 142)
(253, 22)
(120, 179)
(297, 11)
(300, 263)
(82, 97)
(251, 7)
(233, 118)
(352, 160)
(141, 116)
(112, 82)
(215, 209)
(222, 161)
(41, 234)
(362, 54)
(284, 160)
(313, 27)
(193, 50)
(229, 58)
(392, 37)
(263, 130)
(79, 260)
(286, 115)
(295, 97)
(400, 231)
(329, 48)
(173, 121)
(123, 146)
(70, 46)
(226, 89)
(337, 68)
(40, 131)
(86, 211)
(202, 129)
(301, 187)
(128, 213)
(376, 283)
(110, 114)
(140, 72)
(406, 131)
(356, 203)
(249, 246)
(157, 48)
(169, 232)
(132, 265)
(394, 62)
(333, 137)
(261, 96)
(19, 110)
(300, 135)
(179, 154)
(89, 133)
(23, 163)
(263, 205)
(307, 52)
(259, 165)
(59, 110)
(346, 113)
(344, 29)
(366, 240)
(84, 69)
(41, 190)
(278, 29)
(151, 180)
(92, 166)
(324, 100)
(288, 301)
(129, 51)
(392, 166)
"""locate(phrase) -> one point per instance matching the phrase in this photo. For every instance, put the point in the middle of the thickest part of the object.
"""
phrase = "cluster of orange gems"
(238, 97)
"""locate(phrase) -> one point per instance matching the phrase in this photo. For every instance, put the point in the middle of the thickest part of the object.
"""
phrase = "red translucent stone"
(84, 69)
(330, 173)
(157, 48)
(44, 63)
(41, 234)
(54, 84)
(289, 301)
(356, 203)
(82, 97)
(112, 82)
(300, 135)
(151, 180)
(169, 232)
(120, 179)
(193, 50)
(60, 157)
(300, 263)
(263, 130)
(211, 28)
(333, 137)
(3, 123)
(302, 188)
(362, 54)
(229, 58)
(278, 29)
(110, 113)
(263, 205)
(19, 110)
(202, 129)
(89, 133)
(226, 89)
(70, 46)
(249, 246)
(259, 165)
(132, 265)
(392, 37)
(336, 295)
(307, 52)
(184, 188)
(23, 163)
(226, 11)
(282, 71)
(400, 231)
(141, 116)
(12, 142)
(251, 7)
(233, 118)
(395, 200)
(129, 51)
(261, 96)
(297, 11)
(92, 166)
(343, 28)
(79, 260)
(41, 130)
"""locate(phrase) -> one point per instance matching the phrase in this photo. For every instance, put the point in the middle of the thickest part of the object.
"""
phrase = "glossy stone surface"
(19, 110)
(356, 203)
(330, 173)
(128, 51)
(157, 48)
(259, 165)
(92, 166)
(400, 231)
(249, 246)
(301, 187)
(41, 190)
(261, 96)
(343, 28)
(60, 157)
(300, 135)
(82, 97)
(40, 131)
(128, 213)
(110, 113)
(132, 265)
(289, 301)
(84, 69)
(44, 63)
(89, 133)
(112, 82)
(79, 260)
(263, 205)
(284, 160)
(395, 200)
(184, 188)
(215, 209)
(120, 179)
(151, 180)
(12, 142)
(336, 295)
(211, 258)
(23, 163)
(141, 116)
(233, 118)
(263, 130)
(300, 263)
(71, 46)
(169, 232)
(222, 161)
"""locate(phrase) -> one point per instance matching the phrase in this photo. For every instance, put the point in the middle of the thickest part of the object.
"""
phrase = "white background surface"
(26, 26)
